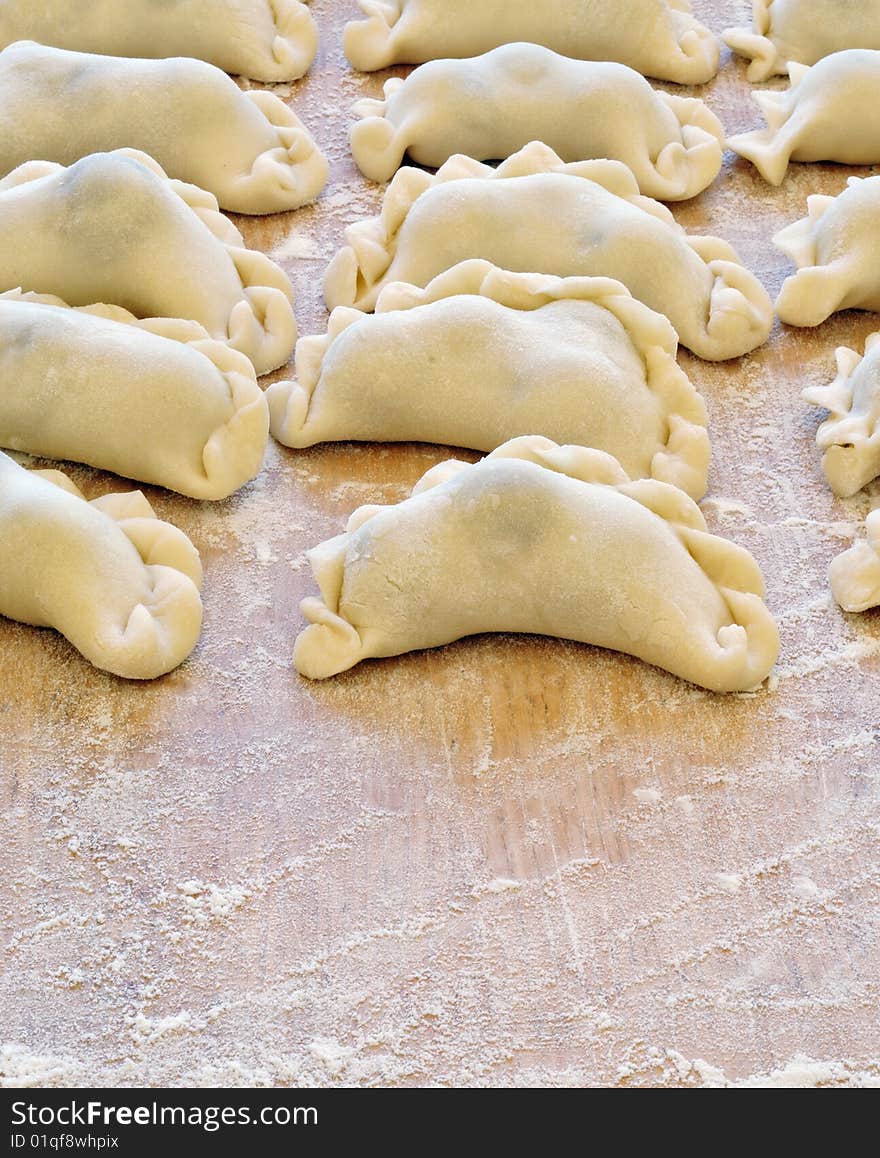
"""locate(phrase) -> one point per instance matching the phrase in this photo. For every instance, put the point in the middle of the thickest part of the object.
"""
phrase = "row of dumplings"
(134, 321)
(276, 40)
(254, 154)
(710, 626)
(492, 105)
(484, 107)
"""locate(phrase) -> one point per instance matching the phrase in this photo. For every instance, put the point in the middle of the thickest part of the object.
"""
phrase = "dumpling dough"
(247, 148)
(495, 104)
(855, 575)
(803, 31)
(577, 358)
(114, 229)
(545, 539)
(656, 37)
(850, 436)
(122, 586)
(78, 385)
(268, 40)
(831, 112)
(835, 248)
(535, 213)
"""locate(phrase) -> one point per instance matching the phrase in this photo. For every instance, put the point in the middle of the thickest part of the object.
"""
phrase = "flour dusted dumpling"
(122, 586)
(93, 385)
(835, 249)
(850, 436)
(113, 229)
(544, 539)
(576, 358)
(803, 31)
(831, 112)
(656, 37)
(855, 575)
(535, 213)
(268, 40)
(247, 148)
(493, 105)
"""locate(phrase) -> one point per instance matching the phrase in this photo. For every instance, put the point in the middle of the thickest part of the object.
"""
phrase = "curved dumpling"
(492, 105)
(855, 575)
(545, 539)
(830, 113)
(803, 31)
(114, 229)
(247, 148)
(79, 385)
(835, 249)
(577, 358)
(850, 436)
(656, 37)
(268, 40)
(535, 213)
(122, 586)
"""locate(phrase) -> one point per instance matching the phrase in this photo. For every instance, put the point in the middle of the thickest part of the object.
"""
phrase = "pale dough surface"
(122, 586)
(831, 112)
(835, 250)
(113, 229)
(850, 433)
(855, 574)
(78, 385)
(656, 37)
(536, 213)
(548, 539)
(493, 105)
(577, 358)
(268, 40)
(247, 148)
(513, 861)
(803, 31)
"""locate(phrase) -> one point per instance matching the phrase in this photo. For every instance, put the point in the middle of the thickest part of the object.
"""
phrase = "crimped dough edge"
(815, 292)
(261, 325)
(769, 149)
(233, 454)
(850, 440)
(682, 461)
(295, 44)
(855, 575)
(285, 177)
(756, 43)
(157, 637)
(747, 648)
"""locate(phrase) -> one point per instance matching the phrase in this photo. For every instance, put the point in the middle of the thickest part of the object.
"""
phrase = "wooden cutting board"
(511, 861)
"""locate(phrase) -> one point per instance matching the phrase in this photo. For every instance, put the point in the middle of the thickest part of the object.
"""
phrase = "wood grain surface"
(512, 861)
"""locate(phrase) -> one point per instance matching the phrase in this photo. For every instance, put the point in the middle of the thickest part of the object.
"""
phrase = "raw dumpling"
(495, 104)
(831, 112)
(855, 575)
(656, 37)
(268, 40)
(119, 584)
(247, 148)
(114, 229)
(850, 436)
(803, 31)
(544, 539)
(577, 358)
(835, 248)
(535, 213)
(78, 385)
